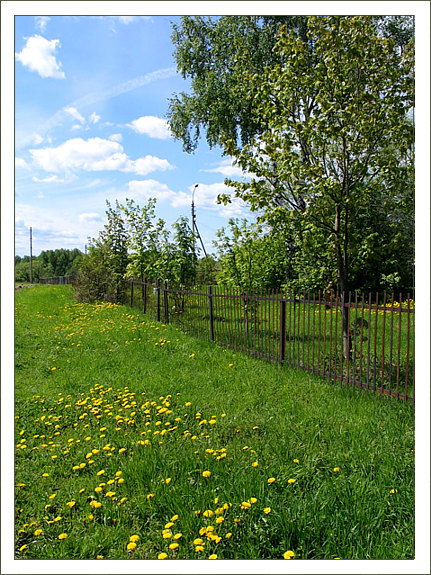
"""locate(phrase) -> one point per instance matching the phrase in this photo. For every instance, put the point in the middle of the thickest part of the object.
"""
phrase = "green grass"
(94, 385)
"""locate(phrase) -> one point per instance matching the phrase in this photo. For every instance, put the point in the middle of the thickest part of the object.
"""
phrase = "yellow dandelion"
(271, 480)
(70, 504)
(131, 546)
(288, 554)
(62, 536)
(291, 481)
(173, 546)
(206, 474)
(134, 538)
(213, 556)
(162, 556)
(38, 532)
(336, 469)
(267, 510)
(296, 461)
(228, 535)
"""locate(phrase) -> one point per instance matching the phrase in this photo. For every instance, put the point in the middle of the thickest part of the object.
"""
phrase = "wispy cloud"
(38, 55)
(226, 168)
(42, 22)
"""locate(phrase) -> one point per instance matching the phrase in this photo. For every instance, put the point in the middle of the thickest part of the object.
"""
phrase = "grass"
(183, 442)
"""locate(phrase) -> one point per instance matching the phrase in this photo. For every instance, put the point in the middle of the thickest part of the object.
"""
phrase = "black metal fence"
(298, 329)
(57, 280)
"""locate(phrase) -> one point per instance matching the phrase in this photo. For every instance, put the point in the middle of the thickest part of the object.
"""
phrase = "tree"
(212, 52)
(95, 281)
(115, 238)
(336, 118)
(178, 260)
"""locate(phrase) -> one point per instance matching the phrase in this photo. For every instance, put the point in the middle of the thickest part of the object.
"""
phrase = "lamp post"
(194, 226)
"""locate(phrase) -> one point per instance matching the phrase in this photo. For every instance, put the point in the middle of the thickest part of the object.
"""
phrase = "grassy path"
(134, 440)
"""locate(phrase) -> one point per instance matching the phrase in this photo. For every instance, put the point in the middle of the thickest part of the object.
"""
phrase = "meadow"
(135, 440)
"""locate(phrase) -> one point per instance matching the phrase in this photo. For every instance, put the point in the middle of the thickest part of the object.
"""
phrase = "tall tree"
(334, 128)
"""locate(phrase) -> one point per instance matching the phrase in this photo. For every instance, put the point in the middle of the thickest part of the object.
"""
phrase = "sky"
(91, 97)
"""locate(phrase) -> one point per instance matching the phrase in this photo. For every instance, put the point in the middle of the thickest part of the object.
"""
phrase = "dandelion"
(167, 535)
(99, 557)
(174, 518)
(62, 536)
(162, 556)
(206, 474)
(38, 532)
(150, 496)
(52, 496)
(296, 461)
(95, 504)
(131, 546)
(393, 491)
(213, 556)
(70, 504)
(23, 547)
(45, 475)
(198, 548)
(267, 510)
(168, 480)
(291, 481)
(101, 472)
(173, 546)
(208, 513)
(271, 480)
(228, 535)
(253, 500)
(254, 464)
(134, 538)
(336, 469)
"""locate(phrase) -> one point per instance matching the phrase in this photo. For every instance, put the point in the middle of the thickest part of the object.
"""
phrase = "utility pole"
(193, 216)
(31, 256)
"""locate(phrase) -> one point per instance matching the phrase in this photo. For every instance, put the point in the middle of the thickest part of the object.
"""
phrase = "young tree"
(337, 118)
(178, 260)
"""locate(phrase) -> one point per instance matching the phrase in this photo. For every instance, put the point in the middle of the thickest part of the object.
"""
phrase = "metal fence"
(298, 329)
(57, 280)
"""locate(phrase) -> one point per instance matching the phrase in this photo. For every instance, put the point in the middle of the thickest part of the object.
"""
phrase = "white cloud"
(205, 196)
(94, 118)
(90, 217)
(129, 19)
(94, 154)
(20, 163)
(116, 137)
(72, 111)
(151, 189)
(39, 56)
(41, 22)
(227, 169)
(151, 126)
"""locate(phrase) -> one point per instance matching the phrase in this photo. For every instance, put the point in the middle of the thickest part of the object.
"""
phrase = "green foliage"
(95, 280)
(177, 262)
(207, 271)
(336, 118)
(251, 259)
(212, 52)
(49, 263)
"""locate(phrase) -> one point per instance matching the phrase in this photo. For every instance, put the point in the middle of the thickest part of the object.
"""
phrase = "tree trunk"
(341, 251)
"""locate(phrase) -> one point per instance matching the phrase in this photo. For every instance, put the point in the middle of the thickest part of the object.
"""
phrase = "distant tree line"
(49, 263)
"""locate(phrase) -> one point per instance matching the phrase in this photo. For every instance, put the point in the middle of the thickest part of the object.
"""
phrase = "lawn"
(135, 440)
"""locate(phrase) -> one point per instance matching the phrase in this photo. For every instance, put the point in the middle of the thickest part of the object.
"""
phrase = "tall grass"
(192, 450)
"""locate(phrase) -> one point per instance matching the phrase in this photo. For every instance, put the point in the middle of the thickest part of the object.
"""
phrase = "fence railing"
(57, 280)
(298, 329)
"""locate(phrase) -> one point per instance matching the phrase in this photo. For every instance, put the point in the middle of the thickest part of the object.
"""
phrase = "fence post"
(210, 301)
(165, 301)
(158, 300)
(131, 294)
(282, 330)
(144, 295)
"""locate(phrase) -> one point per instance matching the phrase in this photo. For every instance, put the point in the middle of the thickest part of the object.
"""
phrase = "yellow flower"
(45, 474)
(173, 546)
(291, 481)
(208, 513)
(206, 474)
(131, 546)
(271, 480)
(296, 461)
(288, 554)
(178, 536)
(134, 538)
(150, 495)
(22, 547)
(167, 535)
(70, 504)
(245, 505)
(336, 469)
(253, 500)
(95, 504)
(174, 518)
(99, 557)
(62, 536)
(168, 525)
(162, 556)
(101, 472)
(38, 532)
(213, 556)
(52, 496)
(254, 464)
(228, 535)
(119, 473)
(168, 480)
(267, 510)
(198, 548)
(393, 491)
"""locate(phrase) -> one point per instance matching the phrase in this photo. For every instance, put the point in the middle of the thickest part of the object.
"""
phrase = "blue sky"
(91, 95)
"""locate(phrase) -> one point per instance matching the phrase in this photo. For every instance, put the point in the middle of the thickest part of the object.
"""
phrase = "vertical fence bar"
(362, 341)
(391, 346)
(303, 332)
(308, 331)
(399, 346)
(336, 336)
(408, 347)
(131, 293)
(299, 330)
(355, 328)
(158, 300)
(369, 342)
(348, 336)
(211, 312)
(294, 329)
(324, 338)
(320, 323)
(330, 335)
(375, 343)
(383, 345)
(290, 326)
(166, 302)
(314, 330)
(282, 330)
(343, 311)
